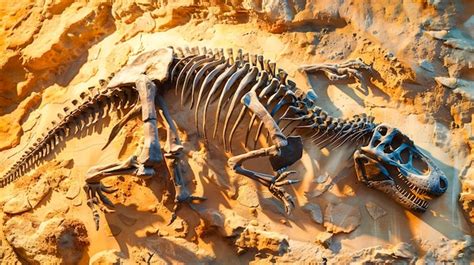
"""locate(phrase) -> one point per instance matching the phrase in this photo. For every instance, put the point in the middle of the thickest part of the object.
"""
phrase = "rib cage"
(205, 76)
(208, 77)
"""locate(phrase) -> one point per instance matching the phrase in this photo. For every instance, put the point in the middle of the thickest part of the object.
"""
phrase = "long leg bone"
(142, 165)
(173, 153)
(282, 154)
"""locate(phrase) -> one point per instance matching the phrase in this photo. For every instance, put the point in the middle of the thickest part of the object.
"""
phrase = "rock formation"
(55, 51)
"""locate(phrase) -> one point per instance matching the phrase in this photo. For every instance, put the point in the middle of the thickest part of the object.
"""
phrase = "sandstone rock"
(213, 217)
(341, 218)
(16, 205)
(426, 65)
(38, 192)
(315, 211)
(467, 198)
(57, 240)
(248, 196)
(324, 238)
(400, 253)
(107, 257)
(253, 237)
(233, 224)
(374, 210)
(26, 201)
(10, 129)
(180, 227)
(73, 191)
(449, 251)
(305, 253)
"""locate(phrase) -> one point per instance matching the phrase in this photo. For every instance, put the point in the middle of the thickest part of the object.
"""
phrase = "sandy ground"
(401, 94)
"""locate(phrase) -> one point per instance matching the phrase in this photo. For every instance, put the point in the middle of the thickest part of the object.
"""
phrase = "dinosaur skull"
(391, 163)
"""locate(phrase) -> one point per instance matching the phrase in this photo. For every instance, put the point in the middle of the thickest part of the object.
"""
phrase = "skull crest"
(391, 163)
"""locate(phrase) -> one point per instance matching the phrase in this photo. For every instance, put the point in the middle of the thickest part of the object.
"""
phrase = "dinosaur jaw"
(392, 163)
(390, 181)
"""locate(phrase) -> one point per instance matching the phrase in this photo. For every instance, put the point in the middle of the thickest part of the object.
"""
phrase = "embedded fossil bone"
(385, 159)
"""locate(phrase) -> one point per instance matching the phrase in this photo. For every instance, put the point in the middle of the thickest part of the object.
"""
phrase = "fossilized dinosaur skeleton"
(249, 93)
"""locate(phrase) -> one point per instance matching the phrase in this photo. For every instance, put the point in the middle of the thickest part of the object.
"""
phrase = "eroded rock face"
(57, 240)
(262, 241)
(26, 201)
(402, 253)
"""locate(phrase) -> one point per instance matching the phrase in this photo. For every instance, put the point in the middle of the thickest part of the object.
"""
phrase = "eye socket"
(363, 160)
(397, 140)
(382, 130)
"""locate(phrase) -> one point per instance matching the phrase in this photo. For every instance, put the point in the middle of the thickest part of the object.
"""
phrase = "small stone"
(253, 237)
(114, 230)
(16, 205)
(254, 222)
(374, 210)
(164, 233)
(73, 191)
(341, 218)
(38, 192)
(253, 211)
(181, 227)
(449, 82)
(248, 196)
(315, 212)
(283, 221)
(127, 220)
(324, 238)
(233, 224)
(426, 65)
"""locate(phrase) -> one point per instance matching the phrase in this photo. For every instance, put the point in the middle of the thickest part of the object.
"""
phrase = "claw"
(94, 190)
(105, 200)
(287, 182)
(284, 175)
